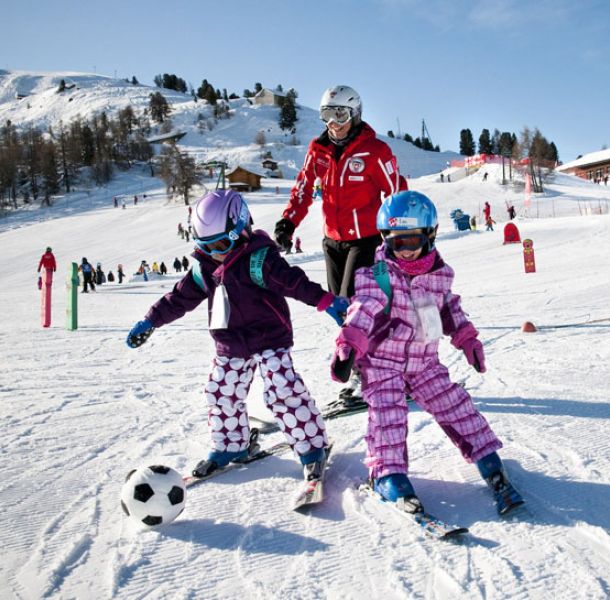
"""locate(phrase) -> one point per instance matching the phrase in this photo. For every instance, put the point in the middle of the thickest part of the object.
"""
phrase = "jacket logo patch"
(356, 165)
(322, 162)
(355, 178)
(390, 167)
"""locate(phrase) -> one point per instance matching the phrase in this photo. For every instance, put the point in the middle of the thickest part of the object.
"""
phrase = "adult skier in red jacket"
(47, 261)
(354, 171)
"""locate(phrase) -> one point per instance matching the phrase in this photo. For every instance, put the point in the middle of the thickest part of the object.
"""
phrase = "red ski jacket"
(352, 187)
(47, 261)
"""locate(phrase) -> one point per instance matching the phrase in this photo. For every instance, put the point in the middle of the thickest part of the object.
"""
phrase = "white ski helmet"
(344, 96)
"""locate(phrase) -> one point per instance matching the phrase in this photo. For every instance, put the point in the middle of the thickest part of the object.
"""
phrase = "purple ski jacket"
(259, 318)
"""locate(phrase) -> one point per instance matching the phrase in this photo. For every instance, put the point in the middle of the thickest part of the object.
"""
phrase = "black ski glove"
(283, 233)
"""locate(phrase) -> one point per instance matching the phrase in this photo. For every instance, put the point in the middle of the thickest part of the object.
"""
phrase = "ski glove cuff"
(338, 309)
(140, 333)
(283, 233)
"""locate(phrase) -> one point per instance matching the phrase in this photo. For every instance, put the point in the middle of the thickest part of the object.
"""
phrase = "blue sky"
(463, 63)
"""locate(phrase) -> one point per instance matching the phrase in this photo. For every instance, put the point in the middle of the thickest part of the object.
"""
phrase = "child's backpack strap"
(257, 260)
(382, 277)
(197, 276)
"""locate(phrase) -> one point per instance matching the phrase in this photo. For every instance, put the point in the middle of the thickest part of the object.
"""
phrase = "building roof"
(247, 169)
(587, 159)
(275, 92)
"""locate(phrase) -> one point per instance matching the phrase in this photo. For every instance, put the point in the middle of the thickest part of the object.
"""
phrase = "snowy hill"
(28, 98)
(79, 410)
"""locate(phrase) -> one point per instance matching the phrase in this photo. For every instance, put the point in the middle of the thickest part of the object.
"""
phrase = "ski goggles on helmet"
(407, 241)
(218, 244)
(337, 114)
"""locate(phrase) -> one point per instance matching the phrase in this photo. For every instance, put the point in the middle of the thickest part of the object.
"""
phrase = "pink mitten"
(473, 350)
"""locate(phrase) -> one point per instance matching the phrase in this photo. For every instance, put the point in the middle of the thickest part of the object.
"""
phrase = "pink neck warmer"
(419, 265)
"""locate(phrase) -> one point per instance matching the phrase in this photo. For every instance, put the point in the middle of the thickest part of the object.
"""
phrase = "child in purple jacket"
(401, 307)
(244, 279)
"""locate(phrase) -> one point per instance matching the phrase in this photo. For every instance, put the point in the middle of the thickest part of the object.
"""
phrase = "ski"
(255, 453)
(312, 490)
(332, 411)
(431, 525)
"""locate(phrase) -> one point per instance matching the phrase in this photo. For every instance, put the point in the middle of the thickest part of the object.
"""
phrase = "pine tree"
(485, 145)
(288, 114)
(159, 108)
(48, 171)
(467, 147)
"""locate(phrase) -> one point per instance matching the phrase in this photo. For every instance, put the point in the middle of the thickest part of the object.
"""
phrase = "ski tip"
(456, 533)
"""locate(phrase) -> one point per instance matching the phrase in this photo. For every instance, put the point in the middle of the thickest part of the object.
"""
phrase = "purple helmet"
(219, 212)
(218, 215)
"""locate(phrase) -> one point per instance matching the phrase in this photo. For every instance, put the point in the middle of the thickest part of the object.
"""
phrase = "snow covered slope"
(79, 410)
(28, 98)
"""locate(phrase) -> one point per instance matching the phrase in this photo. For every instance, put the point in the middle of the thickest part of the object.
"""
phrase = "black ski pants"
(342, 260)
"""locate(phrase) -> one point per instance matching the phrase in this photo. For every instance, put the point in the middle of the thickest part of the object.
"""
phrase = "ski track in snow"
(79, 410)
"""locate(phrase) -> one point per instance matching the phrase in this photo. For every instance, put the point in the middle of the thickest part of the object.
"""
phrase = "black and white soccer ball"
(153, 495)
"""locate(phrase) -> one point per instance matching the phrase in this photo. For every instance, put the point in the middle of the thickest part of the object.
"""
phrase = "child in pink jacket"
(401, 308)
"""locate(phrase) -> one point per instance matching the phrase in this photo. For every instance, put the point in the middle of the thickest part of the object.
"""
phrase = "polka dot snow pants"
(284, 393)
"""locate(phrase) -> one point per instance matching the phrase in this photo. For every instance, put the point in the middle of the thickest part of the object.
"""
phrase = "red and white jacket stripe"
(352, 187)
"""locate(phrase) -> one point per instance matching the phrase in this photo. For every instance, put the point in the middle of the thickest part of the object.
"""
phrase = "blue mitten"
(338, 308)
(139, 333)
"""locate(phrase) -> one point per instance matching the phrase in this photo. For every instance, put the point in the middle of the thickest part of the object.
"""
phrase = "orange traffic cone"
(528, 327)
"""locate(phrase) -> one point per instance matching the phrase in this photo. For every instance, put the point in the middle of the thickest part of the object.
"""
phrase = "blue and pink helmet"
(219, 220)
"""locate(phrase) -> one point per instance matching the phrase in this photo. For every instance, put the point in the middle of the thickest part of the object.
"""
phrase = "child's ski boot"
(397, 488)
(218, 459)
(506, 496)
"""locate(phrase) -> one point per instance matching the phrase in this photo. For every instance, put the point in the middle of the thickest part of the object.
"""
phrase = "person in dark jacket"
(120, 273)
(185, 263)
(163, 268)
(86, 268)
(177, 265)
(245, 280)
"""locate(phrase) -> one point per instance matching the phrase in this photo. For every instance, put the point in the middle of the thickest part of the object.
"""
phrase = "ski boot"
(314, 463)
(350, 397)
(218, 459)
(397, 488)
(506, 496)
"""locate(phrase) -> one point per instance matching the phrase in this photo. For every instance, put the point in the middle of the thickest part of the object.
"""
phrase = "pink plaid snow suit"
(396, 356)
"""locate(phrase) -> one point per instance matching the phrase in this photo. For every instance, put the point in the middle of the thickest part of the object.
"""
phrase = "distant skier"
(162, 268)
(393, 326)
(297, 246)
(110, 277)
(100, 276)
(47, 261)
(120, 273)
(510, 209)
(88, 272)
(185, 263)
(177, 265)
(251, 326)
(489, 224)
(487, 211)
